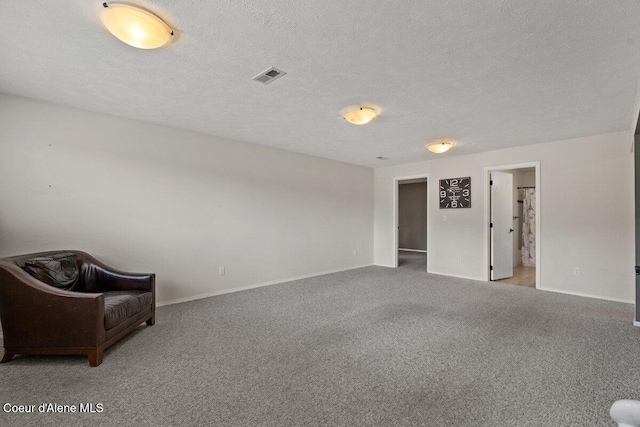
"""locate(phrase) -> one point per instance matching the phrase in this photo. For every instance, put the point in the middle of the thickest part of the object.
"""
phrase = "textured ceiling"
(488, 74)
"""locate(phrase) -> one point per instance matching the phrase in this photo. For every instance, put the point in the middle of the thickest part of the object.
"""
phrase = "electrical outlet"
(444, 217)
(355, 253)
(221, 271)
(459, 259)
(576, 271)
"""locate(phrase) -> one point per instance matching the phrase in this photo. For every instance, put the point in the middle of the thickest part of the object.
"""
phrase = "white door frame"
(394, 239)
(487, 214)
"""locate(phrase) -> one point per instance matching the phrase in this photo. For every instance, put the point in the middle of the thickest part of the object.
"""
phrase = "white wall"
(149, 198)
(529, 179)
(587, 214)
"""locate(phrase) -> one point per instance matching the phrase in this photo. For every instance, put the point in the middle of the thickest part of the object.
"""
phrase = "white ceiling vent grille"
(269, 75)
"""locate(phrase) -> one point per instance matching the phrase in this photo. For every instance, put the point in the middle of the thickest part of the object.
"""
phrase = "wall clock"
(455, 193)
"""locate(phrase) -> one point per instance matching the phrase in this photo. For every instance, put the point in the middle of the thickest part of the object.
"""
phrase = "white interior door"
(501, 225)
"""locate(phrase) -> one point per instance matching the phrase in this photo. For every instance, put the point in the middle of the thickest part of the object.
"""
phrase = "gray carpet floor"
(367, 347)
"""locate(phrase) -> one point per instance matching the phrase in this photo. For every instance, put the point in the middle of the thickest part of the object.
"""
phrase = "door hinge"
(490, 225)
(491, 267)
(491, 182)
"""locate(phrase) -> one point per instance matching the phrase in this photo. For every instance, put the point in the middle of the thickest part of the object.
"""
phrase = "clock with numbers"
(455, 193)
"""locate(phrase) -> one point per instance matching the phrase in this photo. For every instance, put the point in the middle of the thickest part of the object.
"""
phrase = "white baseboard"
(440, 274)
(580, 294)
(636, 323)
(478, 279)
(257, 285)
(412, 250)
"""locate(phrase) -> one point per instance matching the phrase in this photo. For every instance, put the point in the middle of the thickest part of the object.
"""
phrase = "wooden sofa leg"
(7, 356)
(152, 321)
(95, 357)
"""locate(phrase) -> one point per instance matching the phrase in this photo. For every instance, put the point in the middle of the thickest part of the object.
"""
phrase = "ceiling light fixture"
(136, 27)
(360, 115)
(439, 147)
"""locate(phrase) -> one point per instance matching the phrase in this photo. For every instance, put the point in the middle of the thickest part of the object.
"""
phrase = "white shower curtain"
(529, 228)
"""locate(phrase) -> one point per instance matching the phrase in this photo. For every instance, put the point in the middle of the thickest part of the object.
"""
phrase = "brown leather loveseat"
(67, 302)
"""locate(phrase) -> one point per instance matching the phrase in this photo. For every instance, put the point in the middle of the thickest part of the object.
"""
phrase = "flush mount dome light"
(136, 27)
(439, 146)
(360, 115)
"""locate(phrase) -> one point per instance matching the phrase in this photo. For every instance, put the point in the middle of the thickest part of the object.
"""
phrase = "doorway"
(411, 222)
(513, 219)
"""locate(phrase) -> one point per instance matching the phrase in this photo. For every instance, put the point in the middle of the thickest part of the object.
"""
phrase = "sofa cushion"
(59, 270)
(120, 305)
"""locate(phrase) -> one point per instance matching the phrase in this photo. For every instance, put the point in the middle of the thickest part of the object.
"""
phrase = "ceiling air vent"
(269, 75)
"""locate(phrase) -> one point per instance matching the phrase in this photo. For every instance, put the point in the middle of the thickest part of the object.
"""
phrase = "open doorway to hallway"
(412, 233)
(513, 225)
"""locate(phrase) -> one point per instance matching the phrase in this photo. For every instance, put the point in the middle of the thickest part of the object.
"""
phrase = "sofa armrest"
(99, 277)
(35, 314)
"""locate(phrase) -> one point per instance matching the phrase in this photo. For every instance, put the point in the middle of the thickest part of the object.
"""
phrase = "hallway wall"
(412, 216)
